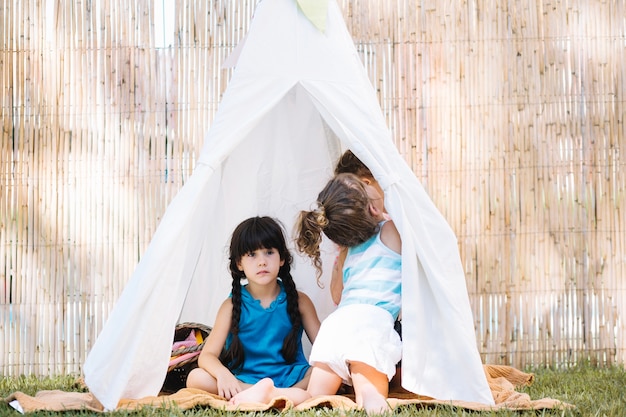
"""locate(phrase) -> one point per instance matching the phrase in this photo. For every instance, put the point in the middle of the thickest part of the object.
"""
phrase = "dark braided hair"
(252, 234)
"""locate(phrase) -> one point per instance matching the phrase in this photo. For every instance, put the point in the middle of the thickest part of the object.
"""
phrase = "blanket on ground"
(503, 381)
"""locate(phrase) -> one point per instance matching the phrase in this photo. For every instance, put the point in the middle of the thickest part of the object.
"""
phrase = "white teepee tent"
(297, 98)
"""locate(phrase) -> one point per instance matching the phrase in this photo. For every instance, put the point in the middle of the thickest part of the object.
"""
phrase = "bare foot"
(374, 403)
(261, 392)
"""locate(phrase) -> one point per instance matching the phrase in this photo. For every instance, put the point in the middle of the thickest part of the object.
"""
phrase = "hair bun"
(320, 216)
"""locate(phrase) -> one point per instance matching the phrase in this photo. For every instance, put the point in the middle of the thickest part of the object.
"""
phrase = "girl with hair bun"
(357, 343)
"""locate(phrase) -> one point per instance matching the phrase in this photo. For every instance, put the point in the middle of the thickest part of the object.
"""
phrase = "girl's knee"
(192, 377)
(201, 379)
(365, 377)
(323, 381)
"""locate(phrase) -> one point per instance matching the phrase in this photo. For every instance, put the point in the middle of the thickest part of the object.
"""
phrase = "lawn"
(594, 391)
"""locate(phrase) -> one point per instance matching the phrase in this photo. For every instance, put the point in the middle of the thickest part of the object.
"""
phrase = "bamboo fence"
(510, 113)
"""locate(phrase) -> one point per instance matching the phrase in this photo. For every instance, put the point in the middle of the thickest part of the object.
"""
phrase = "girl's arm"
(310, 321)
(390, 237)
(227, 384)
(336, 281)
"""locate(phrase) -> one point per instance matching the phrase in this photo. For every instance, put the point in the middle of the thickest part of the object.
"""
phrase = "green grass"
(594, 391)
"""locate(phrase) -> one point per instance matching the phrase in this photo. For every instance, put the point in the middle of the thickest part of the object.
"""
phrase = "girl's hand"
(228, 386)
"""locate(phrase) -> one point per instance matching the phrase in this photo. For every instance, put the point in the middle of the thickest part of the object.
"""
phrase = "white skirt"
(361, 333)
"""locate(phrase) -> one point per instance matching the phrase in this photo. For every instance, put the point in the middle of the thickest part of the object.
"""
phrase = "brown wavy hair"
(343, 215)
(349, 163)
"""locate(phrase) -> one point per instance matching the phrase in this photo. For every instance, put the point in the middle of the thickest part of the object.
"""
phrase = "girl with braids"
(254, 351)
(357, 343)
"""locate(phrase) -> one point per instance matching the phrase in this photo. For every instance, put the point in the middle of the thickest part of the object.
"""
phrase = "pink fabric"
(180, 358)
(189, 341)
(183, 344)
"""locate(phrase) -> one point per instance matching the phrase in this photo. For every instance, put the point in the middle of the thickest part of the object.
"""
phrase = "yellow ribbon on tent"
(316, 11)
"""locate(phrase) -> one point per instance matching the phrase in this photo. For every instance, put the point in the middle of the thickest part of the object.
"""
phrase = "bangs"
(260, 234)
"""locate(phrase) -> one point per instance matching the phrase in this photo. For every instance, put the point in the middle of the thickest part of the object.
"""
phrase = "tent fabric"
(297, 99)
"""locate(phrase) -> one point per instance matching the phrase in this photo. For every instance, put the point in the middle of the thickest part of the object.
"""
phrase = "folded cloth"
(503, 380)
(190, 340)
(55, 400)
(193, 339)
(183, 344)
(180, 358)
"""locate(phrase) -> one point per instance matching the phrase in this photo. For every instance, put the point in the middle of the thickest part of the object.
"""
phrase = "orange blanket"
(503, 381)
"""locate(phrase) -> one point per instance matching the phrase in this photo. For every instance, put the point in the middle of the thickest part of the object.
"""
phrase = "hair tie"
(320, 216)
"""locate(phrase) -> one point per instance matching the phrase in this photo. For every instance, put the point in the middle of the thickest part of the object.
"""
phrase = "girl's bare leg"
(201, 379)
(371, 388)
(264, 391)
(323, 381)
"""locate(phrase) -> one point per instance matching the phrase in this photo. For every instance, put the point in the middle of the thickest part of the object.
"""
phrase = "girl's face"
(370, 182)
(261, 266)
(376, 198)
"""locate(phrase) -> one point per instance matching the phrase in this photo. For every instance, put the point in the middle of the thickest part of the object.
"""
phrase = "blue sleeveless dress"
(262, 331)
